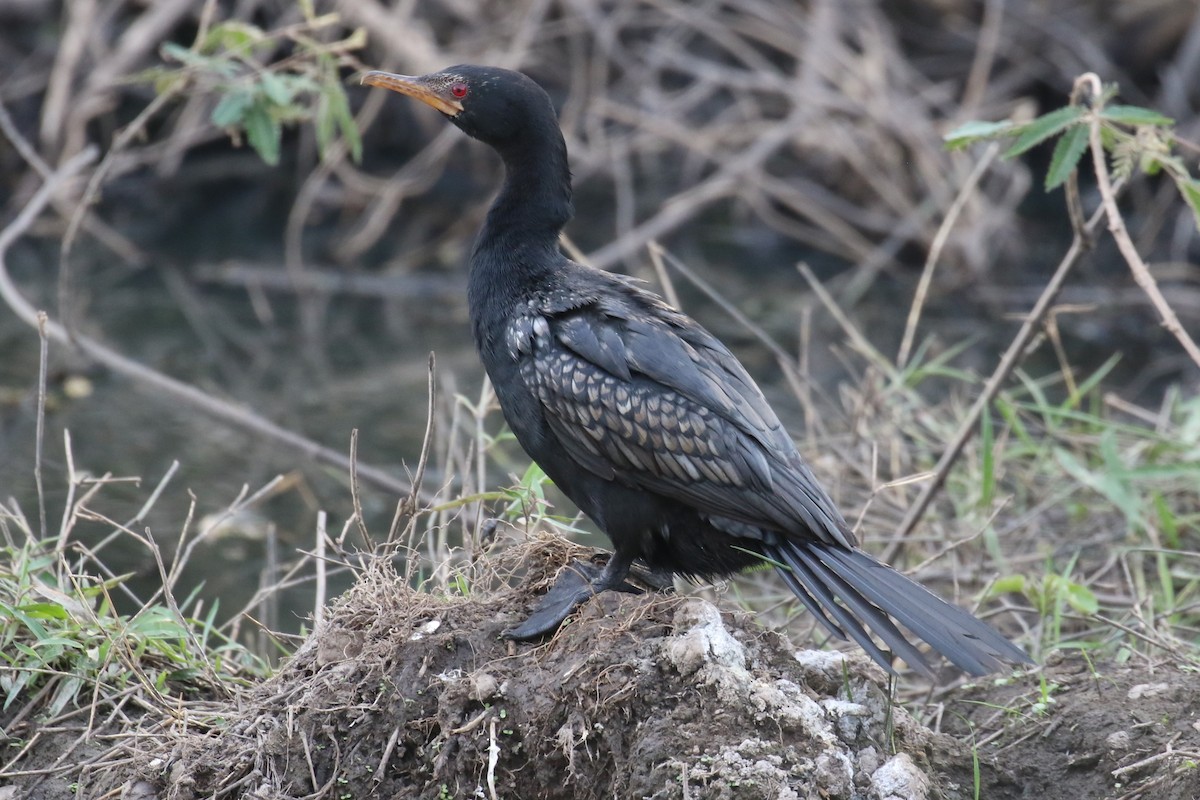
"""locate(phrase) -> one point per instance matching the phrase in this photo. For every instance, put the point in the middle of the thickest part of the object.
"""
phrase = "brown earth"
(403, 694)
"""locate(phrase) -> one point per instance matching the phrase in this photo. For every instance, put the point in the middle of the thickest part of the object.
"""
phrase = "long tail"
(853, 588)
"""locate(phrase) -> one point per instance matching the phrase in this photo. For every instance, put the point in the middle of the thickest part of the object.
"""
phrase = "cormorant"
(646, 421)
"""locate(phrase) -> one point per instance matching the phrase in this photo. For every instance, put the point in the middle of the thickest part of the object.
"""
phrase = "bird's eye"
(459, 90)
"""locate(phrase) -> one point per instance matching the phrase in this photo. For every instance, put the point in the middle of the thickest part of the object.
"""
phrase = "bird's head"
(496, 106)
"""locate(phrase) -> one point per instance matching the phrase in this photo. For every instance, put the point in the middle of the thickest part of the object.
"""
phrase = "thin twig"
(987, 42)
(15, 229)
(1116, 226)
(319, 550)
(381, 771)
(1074, 202)
(935, 251)
(158, 490)
(355, 497)
(860, 342)
(172, 388)
(1014, 353)
(686, 203)
(183, 553)
(189, 631)
(43, 357)
(493, 760)
(69, 506)
(90, 193)
(56, 103)
(664, 278)
(407, 506)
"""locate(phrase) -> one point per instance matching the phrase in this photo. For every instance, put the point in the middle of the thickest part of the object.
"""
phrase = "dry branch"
(1116, 226)
(1008, 362)
(120, 363)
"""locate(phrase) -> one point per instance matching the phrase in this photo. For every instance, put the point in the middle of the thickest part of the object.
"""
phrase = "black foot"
(656, 580)
(574, 585)
(578, 582)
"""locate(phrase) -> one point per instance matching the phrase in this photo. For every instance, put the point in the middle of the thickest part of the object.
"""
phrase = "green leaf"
(1078, 596)
(1188, 470)
(1167, 521)
(1110, 481)
(1123, 160)
(164, 79)
(217, 66)
(264, 133)
(340, 109)
(1091, 382)
(974, 131)
(34, 627)
(58, 644)
(232, 108)
(1011, 416)
(276, 89)
(45, 611)
(1042, 128)
(1162, 161)
(1067, 153)
(67, 690)
(1014, 584)
(324, 123)
(1082, 599)
(1135, 115)
(1190, 189)
(178, 52)
(232, 36)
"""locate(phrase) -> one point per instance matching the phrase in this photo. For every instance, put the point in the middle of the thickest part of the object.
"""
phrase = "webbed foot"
(576, 583)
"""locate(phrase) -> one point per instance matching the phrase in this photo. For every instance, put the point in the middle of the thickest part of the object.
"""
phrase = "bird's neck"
(534, 204)
(516, 254)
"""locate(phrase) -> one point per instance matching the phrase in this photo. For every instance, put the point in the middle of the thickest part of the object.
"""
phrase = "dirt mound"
(401, 694)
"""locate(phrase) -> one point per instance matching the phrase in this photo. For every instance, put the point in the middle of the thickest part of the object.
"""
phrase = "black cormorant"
(645, 420)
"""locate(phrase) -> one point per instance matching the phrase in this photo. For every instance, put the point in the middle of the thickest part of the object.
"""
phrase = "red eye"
(459, 90)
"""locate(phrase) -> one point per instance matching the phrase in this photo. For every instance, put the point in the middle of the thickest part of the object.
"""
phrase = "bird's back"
(632, 391)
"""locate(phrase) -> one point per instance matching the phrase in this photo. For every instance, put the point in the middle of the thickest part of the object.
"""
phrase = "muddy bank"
(401, 693)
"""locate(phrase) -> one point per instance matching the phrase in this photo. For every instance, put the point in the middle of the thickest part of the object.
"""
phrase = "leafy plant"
(66, 639)
(527, 502)
(258, 97)
(1134, 137)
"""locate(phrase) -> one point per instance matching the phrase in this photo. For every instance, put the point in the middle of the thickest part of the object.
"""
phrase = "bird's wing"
(637, 392)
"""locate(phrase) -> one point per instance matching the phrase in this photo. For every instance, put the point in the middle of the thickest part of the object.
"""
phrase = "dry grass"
(767, 131)
(817, 125)
(1071, 517)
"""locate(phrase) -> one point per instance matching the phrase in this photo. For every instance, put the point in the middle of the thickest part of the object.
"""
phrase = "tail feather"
(855, 588)
(828, 588)
(836, 587)
(969, 642)
(797, 581)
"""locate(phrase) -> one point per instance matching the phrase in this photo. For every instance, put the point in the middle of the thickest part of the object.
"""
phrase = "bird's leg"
(657, 580)
(578, 582)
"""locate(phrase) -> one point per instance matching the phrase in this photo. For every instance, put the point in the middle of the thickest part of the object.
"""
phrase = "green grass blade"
(988, 457)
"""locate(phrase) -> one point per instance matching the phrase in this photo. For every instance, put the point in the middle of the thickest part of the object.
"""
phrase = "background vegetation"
(275, 238)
